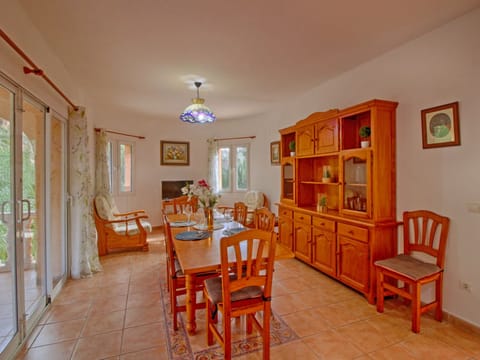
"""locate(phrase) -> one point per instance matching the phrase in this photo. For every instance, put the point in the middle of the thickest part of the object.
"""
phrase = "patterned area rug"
(179, 344)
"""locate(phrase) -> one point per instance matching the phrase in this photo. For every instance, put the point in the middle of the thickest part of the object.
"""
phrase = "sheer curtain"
(102, 175)
(212, 163)
(84, 251)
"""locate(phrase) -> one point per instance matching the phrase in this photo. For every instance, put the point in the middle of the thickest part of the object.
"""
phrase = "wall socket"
(473, 207)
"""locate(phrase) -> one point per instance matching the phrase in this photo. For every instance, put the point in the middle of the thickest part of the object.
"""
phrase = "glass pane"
(242, 167)
(33, 135)
(57, 248)
(126, 151)
(355, 194)
(8, 298)
(224, 159)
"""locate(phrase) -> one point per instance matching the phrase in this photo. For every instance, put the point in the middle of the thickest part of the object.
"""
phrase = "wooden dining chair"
(246, 291)
(240, 211)
(176, 278)
(179, 204)
(264, 219)
(424, 235)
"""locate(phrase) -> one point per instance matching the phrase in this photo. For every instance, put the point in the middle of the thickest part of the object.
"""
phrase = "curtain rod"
(235, 138)
(120, 133)
(36, 70)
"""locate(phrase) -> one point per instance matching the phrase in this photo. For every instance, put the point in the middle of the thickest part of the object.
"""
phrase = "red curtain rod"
(36, 70)
(119, 133)
(236, 138)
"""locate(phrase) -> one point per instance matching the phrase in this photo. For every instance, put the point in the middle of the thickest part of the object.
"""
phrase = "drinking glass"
(187, 210)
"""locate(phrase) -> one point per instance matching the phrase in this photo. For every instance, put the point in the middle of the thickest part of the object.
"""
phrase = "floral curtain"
(213, 164)
(102, 175)
(85, 260)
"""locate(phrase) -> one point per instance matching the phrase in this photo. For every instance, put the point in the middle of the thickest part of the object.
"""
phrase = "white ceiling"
(137, 55)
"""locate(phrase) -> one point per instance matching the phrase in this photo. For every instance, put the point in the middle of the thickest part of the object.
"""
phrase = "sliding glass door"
(33, 226)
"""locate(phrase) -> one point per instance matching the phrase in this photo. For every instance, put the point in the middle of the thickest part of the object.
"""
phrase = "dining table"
(198, 251)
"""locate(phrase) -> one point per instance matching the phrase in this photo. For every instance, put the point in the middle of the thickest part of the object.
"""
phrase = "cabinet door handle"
(350, 232)
(322, 224)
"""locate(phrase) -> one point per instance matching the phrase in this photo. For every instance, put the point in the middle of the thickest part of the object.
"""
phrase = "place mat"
(192, 235)
(233, 231)
(216, 226)
(182, 223)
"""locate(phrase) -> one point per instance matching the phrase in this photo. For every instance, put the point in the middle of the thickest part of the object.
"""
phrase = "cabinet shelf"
(312, 182)
(356, 184)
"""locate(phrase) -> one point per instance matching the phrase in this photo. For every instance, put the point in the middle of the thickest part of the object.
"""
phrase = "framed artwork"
(174, 153)
(440, 126)
(275, 152)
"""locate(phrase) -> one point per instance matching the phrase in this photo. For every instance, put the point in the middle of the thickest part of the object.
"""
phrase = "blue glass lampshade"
(197, 113)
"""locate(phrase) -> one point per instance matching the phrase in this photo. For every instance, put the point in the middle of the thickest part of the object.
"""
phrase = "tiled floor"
(117, 315)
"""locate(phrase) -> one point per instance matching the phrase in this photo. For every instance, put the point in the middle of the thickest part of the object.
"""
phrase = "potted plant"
(326, 174)
(322, 203)
(291, 146)
(364, 133)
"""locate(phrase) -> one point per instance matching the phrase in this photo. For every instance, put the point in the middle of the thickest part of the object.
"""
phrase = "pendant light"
(197, 112)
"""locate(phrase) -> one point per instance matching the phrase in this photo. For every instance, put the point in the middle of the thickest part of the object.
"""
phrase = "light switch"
(473, 207)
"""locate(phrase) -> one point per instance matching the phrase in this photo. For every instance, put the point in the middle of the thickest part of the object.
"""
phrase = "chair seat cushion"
(409, 266)
(214, 289)
(120, 228)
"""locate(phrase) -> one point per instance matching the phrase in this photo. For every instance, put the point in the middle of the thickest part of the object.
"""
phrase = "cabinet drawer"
(302, 218)
(353, 232)
(285, 213)
(325, 224)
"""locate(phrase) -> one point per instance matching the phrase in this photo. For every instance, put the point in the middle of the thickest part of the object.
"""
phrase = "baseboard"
(460, 323)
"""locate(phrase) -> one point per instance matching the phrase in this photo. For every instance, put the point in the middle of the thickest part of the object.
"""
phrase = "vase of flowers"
(207, 198)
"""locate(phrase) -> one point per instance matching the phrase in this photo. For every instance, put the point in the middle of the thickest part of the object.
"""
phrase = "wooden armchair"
(119, 231)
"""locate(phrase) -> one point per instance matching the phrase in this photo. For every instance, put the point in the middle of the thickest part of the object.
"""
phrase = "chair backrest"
(180, 202)
(240, 211)
(426, 232)
(169, 245)
(255, 199)
(264, 219)
(105, 207)
(251, 254)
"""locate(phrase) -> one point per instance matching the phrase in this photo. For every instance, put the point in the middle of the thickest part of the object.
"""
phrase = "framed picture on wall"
(275, 152)
(440, 126)
(174, 152)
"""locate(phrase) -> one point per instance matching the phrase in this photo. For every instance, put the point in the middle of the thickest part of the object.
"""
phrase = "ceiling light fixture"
(198, 112)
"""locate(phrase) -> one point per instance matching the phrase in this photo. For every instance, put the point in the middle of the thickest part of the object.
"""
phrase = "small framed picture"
(174, 153)
(440, 126)
(275, 152)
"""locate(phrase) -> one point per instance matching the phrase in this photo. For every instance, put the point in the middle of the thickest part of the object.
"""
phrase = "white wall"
(435, 69)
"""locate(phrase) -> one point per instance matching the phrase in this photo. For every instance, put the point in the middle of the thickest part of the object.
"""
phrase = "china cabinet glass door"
(356, 191)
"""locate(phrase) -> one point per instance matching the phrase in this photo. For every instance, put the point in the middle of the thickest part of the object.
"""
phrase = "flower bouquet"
(206, 197)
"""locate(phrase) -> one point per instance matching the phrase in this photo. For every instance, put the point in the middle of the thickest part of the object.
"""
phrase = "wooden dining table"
(197, 257)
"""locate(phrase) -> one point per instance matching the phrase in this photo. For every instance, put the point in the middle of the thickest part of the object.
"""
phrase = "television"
(173, 188)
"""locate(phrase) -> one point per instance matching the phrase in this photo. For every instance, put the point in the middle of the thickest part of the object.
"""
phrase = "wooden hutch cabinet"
(337, 207)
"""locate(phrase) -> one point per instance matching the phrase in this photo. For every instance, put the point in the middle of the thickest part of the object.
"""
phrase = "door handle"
(3, 211)
(29, 208)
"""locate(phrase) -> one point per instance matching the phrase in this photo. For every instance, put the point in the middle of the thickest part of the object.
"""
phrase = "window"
(121, 157)
(233, 167)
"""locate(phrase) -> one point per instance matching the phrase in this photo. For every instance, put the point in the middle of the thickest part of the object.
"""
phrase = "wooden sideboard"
(357, 225)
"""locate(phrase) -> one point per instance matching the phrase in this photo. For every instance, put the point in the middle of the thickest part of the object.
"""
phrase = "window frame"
(114, 165)
(233, 146)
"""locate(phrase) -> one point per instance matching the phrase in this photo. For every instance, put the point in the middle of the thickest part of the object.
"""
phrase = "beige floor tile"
(157, 353)
(393, 352)
(143, 337)
(57, 332)
(105, 304)
(104, 322)
(143, 299)
(330, 345)
(72, 311)
(59, 351)
(143, 315)
(306, 323)
(423, 347)
(100, 346)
